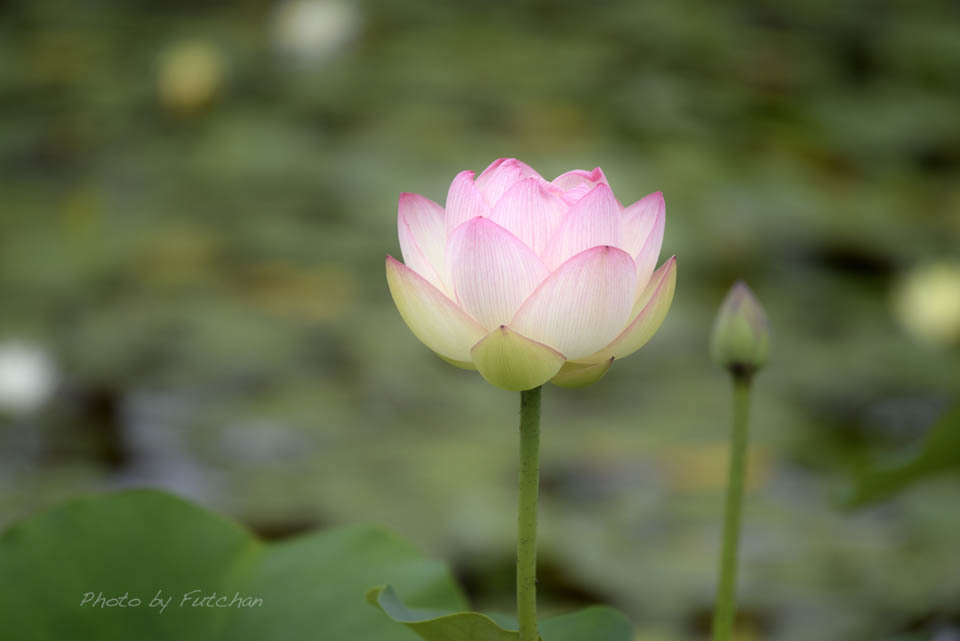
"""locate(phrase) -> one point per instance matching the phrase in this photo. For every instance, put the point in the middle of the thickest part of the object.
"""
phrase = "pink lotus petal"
(646, 258)
(501, 175)
(436, 320)
(423, 237)
(639, 220)
(576, 184)
(582, 305)
(648, 314)
(579, 177)
(530, 211)
(492, 271)
(592, 222)
(464, 202)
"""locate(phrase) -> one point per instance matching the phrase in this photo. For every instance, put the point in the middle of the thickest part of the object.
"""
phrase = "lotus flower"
(528, 280)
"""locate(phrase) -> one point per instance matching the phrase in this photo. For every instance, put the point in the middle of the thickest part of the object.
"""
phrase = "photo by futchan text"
(160, 601)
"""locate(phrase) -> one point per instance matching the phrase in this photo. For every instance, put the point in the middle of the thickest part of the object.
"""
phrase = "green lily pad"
(592, 624)
(101, 569)
(939, 453)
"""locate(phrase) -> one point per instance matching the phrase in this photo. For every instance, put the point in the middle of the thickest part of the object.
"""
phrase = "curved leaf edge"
(385, 598)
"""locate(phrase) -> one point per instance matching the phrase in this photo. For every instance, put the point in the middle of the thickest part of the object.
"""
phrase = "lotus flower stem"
(725, 607)
(527, 514)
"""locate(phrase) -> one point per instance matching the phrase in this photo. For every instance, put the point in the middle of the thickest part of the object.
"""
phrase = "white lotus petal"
(501, 175)
(577, 375)
(531, 212)
(648, 255)
(649, 312)
(436, 320)
(464, 202)
(582, 305)
(422, 235)
(593, 221)
(492, 271)
(639, 219)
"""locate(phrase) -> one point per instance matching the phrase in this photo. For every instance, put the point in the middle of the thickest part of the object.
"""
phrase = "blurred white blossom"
(312, 30)
(926, 302)
(27, 377)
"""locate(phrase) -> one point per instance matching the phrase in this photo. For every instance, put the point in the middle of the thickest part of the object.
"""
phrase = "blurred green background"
(197, 198)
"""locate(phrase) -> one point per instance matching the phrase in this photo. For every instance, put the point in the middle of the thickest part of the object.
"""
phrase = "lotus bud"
(741, 335)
